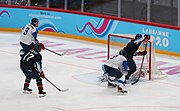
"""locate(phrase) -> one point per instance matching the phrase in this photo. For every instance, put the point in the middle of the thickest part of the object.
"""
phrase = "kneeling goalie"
(115, 71)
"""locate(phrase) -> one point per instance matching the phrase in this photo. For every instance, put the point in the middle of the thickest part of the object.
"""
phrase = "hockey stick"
(55, 52)
(140, 67)
(61, 90)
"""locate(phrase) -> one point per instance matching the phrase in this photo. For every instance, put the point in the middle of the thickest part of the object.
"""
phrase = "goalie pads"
(134, 76)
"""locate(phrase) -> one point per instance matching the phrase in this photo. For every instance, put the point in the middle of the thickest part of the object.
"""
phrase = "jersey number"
(26, 31)
(28, 56)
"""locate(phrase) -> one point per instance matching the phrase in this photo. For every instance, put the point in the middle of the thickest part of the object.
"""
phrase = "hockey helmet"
(33, 21)
(138, 36)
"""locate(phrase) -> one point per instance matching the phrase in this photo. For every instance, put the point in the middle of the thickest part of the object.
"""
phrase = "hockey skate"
(27, 90)
(42, 93)
(120, 90)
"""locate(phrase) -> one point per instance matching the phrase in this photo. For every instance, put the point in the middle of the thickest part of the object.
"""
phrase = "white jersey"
(118, 62)
(29, 34)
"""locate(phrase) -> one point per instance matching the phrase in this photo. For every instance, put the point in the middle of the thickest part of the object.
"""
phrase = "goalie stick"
(61, 90)
(139, 75)
(56, 52)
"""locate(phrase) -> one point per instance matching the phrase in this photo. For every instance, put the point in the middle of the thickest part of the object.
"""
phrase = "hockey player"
(131, 50)
(29, 35)
(31, 66)
(114, 72)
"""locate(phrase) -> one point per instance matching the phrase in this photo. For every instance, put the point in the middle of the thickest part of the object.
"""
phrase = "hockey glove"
(42, 74)
(42, 46)
(142, 52)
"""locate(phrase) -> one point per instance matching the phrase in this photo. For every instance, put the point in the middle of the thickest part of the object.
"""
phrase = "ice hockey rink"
(78, 70)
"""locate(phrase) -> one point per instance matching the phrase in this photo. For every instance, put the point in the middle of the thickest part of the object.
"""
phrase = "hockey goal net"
(116, 42)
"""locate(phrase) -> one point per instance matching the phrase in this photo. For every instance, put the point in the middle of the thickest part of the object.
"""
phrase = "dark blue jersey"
(29, 59)
(131, 49)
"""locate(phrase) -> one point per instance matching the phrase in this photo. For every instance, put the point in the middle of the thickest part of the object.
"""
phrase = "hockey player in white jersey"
(29, 35)
(115, 71)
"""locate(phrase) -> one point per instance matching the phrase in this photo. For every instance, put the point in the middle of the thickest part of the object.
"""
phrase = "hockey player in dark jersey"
(31, 66)
(131, 50)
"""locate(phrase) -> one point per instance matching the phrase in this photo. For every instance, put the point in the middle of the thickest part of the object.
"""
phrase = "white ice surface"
(79, 74)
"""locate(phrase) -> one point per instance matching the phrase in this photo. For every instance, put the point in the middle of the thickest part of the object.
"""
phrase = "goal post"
(116, 42)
